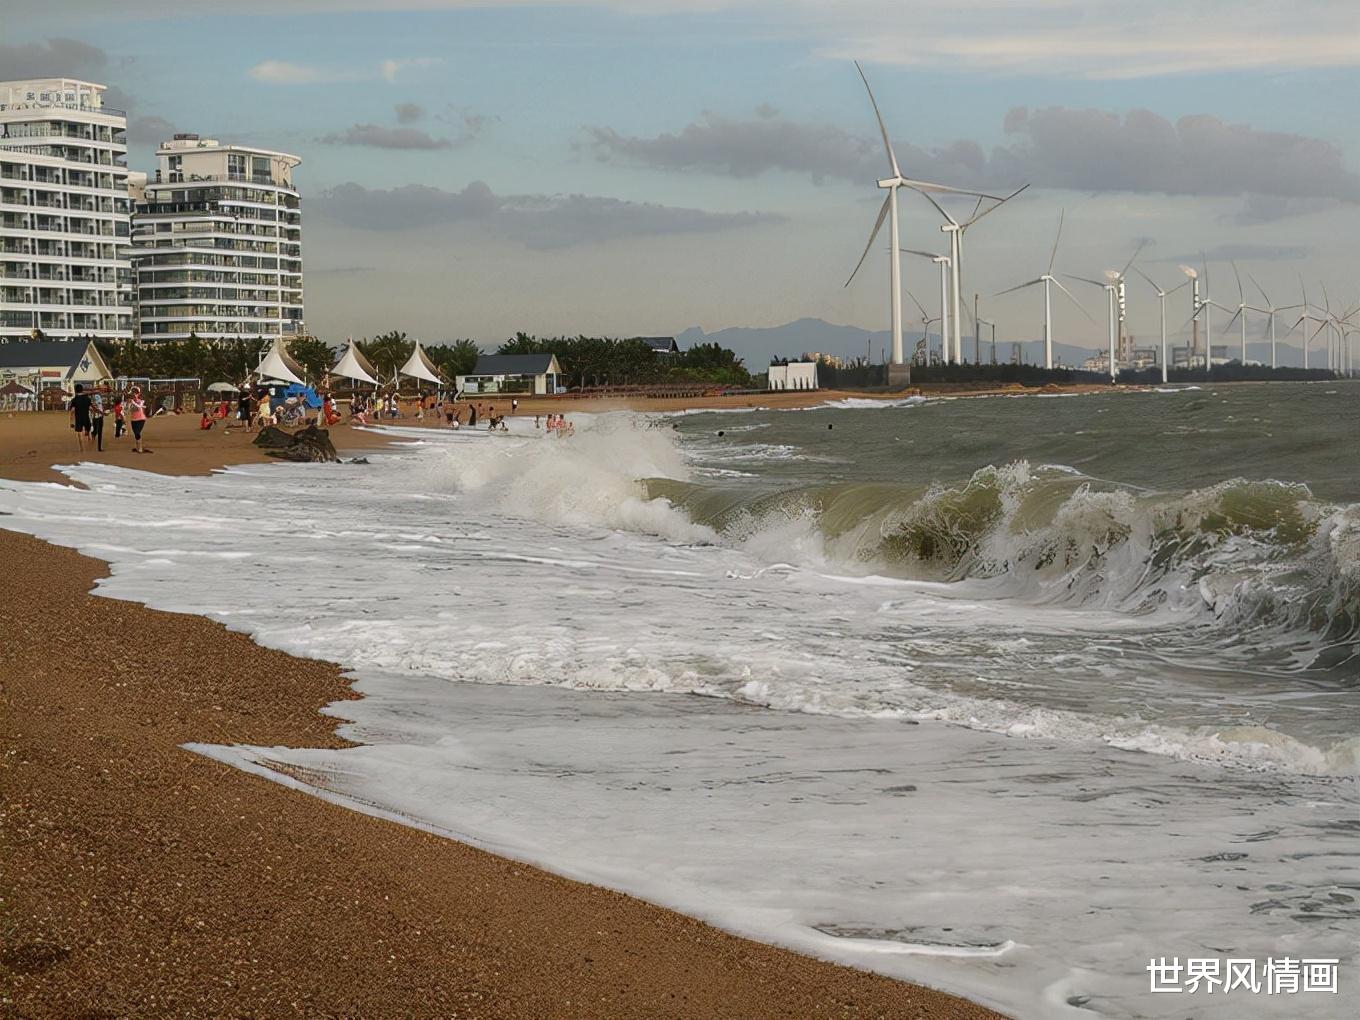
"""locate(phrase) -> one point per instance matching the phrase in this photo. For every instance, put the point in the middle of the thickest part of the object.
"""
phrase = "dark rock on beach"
(305, 445)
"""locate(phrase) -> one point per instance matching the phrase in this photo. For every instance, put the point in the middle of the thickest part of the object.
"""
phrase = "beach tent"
(353, 365)
(16, 396)
(419, 366)
(279, 366)
(308, 394)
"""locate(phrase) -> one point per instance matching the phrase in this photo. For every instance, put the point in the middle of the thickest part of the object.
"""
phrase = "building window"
(236, 166)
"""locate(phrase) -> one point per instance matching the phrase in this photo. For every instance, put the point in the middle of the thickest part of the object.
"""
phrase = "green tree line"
(604, 361)
(585, 361)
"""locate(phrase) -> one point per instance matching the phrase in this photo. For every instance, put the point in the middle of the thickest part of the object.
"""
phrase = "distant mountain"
(757, 345)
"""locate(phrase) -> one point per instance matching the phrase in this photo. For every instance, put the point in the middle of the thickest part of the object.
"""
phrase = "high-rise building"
(64, 212)
(217, 243)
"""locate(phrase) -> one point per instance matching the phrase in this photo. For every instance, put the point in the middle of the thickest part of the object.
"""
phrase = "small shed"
(43, 364)
(513, 373)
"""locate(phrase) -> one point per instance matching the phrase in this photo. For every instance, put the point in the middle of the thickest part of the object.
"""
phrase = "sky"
(637, 167)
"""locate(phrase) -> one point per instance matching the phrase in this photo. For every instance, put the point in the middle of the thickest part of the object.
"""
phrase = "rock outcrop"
(310, 444)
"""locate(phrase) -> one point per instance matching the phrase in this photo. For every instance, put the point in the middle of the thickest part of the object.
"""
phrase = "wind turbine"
(1111, 286)
(1270, 309)
(1241, 312)
(889, 208)
(1161, 298)
(926, 320)
(1049, 281)
(1305, 319)
(956, 229)
(943, 261)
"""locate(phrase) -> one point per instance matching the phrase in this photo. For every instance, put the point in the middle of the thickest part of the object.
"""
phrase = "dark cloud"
(50, 59)
(470, 128)
(1240, 253)
(536, 221)
(1269, 208)
(379, 137)
(150, 130)
(1055, 147)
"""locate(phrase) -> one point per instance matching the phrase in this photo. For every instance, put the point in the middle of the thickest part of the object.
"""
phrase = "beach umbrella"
(223, 387)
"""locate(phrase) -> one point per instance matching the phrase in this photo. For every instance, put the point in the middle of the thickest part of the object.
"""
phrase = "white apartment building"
(64, 212)
(217, 243)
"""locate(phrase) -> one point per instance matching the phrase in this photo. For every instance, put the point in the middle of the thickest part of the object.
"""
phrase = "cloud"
(536, 221)
(1241, 253)
(389, 69)
(283, 72)
(1055, 147)
(1270, 208)
(1097, 39)
(471, 126)
(379, 137)
(150, 130)
(57, 56)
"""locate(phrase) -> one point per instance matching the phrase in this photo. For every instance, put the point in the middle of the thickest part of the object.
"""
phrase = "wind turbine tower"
(889, 209)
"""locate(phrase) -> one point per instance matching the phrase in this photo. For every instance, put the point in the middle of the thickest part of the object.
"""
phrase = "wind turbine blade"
(1225, 329)
(923, 254)
(1074, 300)
(924, 186)
(924, 313)
(930, 198)
(999, 203)
(878, 225)
(1150, 281)
(1020, 286)
(1086, 279)
(1320, 328)
(1183, 283)
(1303, 288)
(1205, 259)
(1241, 294)
(1264, 296)
(892, 158)
(1054, 257)
(1129, 263)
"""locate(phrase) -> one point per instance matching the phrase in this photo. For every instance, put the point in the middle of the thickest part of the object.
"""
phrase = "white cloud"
(1077, 38)
(283, 72)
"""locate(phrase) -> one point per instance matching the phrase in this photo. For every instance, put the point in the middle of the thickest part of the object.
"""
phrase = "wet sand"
(141, 880)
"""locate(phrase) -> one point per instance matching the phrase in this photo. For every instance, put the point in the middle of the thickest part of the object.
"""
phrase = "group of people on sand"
(89, 408)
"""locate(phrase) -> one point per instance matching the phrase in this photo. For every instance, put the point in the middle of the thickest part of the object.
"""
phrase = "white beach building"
(512, 373)
(217, 235)
(796, 375)
(64, 212)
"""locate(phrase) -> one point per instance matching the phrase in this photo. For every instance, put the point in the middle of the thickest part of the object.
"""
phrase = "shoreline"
(143, 879)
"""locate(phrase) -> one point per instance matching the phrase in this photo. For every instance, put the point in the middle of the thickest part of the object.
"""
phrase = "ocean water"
(1003, 695)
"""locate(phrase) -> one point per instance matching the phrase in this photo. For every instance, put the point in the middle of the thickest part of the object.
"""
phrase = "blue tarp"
(309, 395)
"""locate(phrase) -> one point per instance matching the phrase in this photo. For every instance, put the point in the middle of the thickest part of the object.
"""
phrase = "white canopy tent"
(419, 366)
(353, 365)
(279, 366)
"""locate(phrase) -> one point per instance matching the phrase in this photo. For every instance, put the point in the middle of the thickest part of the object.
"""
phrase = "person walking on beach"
(138, 417)
(472, 415)
(514, 406)
(97, 417)
(80, 416)
(118, 420)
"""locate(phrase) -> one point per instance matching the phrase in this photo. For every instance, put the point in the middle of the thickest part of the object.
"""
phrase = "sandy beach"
(140, 879)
